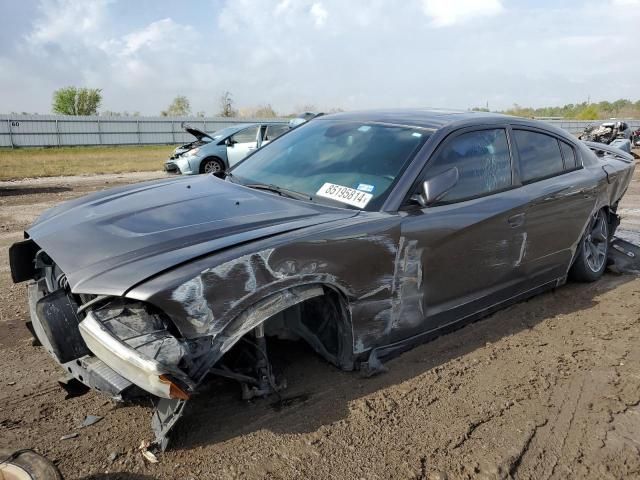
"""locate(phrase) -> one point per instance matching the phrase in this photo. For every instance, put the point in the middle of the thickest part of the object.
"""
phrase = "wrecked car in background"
(216, 152)
(616, 133)
(635, 138)
(361, 234)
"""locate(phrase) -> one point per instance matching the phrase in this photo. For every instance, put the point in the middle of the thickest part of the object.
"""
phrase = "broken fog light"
(136, 345)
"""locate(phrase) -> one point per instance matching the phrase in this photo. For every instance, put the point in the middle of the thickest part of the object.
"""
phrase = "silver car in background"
(218, 151)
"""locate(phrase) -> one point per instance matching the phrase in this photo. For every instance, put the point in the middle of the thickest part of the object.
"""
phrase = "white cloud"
(444, 13)
(331, 53)
(319, 14)
(282, 6)
(163, 35)
(62, 19)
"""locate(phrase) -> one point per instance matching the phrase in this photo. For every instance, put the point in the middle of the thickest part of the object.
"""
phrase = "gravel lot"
(548, 388)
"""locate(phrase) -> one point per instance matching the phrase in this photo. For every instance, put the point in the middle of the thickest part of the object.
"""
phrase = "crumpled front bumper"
(177, 164)
(86, 368)
(144, 372)
(93, 354)
(171, 167)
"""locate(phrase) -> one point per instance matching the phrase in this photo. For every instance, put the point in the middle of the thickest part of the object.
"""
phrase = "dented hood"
(110, 241)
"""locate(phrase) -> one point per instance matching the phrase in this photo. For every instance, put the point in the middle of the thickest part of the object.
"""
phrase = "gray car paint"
(153, 226)
(394, 285)
(400, 273)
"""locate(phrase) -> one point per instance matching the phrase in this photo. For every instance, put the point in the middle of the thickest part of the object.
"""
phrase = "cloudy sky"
(330, 53)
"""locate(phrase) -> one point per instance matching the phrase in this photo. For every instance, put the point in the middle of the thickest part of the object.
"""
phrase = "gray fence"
(577, 126)
(61, 130)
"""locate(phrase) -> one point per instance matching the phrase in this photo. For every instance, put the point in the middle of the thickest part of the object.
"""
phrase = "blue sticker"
(364, 187)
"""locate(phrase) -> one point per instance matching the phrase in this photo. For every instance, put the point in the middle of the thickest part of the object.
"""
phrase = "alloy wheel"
(212, 167)
(595, 243)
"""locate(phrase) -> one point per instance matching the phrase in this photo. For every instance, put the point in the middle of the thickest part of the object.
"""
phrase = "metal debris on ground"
(624, 257)
(90, 420)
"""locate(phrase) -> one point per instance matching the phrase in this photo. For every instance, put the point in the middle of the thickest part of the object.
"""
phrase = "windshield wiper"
(284, 192)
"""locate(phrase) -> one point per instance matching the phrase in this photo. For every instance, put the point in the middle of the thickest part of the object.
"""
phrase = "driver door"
(242, 144)
(469, 243)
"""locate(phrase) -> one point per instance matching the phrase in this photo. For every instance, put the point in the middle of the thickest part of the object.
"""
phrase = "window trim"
(576, 158)
(443, 144)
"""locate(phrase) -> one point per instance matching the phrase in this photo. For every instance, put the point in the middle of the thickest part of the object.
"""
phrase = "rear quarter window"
(569, 155)
(540, 155)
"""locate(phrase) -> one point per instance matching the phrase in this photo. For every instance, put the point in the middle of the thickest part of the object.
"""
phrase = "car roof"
(431, 118)
(236, 127)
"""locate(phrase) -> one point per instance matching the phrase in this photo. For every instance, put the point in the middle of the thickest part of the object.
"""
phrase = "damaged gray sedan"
(361, 234)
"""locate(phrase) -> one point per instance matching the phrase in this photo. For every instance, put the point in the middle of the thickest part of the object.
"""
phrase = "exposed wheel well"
(316, 313)
(323, 322)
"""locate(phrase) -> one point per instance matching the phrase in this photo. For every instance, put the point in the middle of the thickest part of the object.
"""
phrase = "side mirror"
(229, 142)
(436, 187)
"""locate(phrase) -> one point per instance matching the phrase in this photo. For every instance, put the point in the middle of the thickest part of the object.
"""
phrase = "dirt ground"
(549, 388)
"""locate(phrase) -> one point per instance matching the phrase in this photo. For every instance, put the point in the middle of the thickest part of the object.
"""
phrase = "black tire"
(591, 257)
(214, 166)
(34, 465)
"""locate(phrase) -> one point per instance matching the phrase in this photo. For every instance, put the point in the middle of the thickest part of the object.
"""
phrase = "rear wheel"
(591, 258)
(211, 165)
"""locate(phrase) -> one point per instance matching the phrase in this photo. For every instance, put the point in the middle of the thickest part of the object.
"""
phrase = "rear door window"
(540, 155)
(569, 155)
(483, 161)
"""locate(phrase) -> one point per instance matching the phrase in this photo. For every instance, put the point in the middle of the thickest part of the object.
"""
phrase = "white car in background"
(216, 152)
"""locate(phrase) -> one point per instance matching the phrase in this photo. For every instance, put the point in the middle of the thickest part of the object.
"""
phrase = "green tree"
(179, 107)
(77, 101)
(589, 112)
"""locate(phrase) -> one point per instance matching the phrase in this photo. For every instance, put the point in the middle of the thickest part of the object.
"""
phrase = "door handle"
(516, 220)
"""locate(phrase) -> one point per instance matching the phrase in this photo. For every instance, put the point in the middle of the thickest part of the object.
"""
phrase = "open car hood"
(199, 134)
(110, 241)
